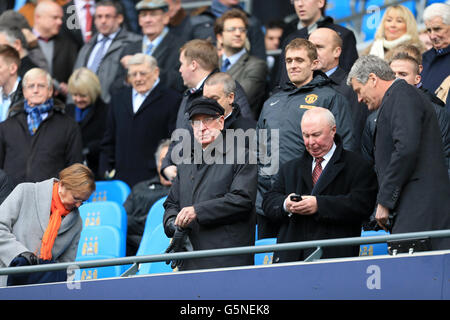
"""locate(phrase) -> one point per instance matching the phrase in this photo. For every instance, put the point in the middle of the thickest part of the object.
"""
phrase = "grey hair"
(142, 58)
(37, 72)
(366, 65)
(13, 34)
(324, 113)
(164, 143)
(229, 85)
(437, 10)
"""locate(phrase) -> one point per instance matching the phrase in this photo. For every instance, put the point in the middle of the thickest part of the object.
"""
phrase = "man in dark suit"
(59, 51)
(102, 53)
(409, 155)
(337, 191)
(158, 41)
(248, 70)
(311, 15)
(329, 50)
(139, 118)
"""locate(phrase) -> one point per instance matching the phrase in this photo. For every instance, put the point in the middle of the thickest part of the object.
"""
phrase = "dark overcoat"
(345, 193)
(409, 160)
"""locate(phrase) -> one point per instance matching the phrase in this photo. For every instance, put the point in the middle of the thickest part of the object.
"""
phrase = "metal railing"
(136, 260)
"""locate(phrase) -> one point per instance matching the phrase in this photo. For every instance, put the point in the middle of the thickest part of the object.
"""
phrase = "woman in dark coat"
(89, 111)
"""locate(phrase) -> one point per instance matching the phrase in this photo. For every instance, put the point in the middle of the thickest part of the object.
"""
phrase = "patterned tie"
(88, 36)
(98, 55)
(317, 170)
(225, 65)
(149, 49)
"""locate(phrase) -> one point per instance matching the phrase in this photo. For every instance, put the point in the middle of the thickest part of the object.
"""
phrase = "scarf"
(37, 114)
(57, 211)
(379, 45)
(80, 114)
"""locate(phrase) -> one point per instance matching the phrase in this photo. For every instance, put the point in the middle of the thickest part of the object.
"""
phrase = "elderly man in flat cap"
(211, 203)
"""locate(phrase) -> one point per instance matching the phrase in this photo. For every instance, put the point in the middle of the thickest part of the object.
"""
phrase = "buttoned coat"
(409, 160)
(345, 193)
(223, 196)
(24, 216)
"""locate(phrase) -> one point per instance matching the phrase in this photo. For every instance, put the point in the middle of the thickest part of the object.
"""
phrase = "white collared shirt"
(99, 43)
(234, 58)
(146, 41)
(5, 100)
(138, 98)
(326, 158)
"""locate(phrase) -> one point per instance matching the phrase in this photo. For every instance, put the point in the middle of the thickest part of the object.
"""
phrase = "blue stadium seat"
(154, 217)
(373, 249)
(264, 257)
(155, 243)
(101, 241)
(104, 213)
(19, 4)
(112, 190)
(98, 272)
(338, 9)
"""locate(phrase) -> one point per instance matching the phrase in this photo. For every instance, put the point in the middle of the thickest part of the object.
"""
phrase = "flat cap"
(152, 5)
(205, 106)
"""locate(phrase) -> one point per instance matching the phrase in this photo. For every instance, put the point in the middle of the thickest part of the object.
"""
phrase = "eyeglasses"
(206, 122)
(233, 29)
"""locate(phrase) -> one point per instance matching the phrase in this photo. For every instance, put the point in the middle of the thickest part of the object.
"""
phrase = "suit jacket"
(409, 160)
(166, 54)
(131, 139)
(109, 66)
(251, 73)
(345, 193)
(24, 217)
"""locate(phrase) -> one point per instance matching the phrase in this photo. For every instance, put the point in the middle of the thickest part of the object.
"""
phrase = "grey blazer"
(24, 216)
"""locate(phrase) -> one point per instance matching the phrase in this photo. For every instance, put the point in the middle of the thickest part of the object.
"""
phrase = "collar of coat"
(58, 106)
(319, 79)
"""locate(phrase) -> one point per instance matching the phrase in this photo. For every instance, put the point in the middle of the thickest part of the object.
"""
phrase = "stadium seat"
(373, 249)
(98, 272)
(154, 217)
(338, 9)
(101, 241)
(264, 257)
(155, 243)
(112, 190)
(104, 213)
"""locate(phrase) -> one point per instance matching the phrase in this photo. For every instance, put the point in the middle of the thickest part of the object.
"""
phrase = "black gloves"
(180, 242)
(24, 259)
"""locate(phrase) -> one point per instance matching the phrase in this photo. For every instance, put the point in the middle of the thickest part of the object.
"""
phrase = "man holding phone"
(326, 193)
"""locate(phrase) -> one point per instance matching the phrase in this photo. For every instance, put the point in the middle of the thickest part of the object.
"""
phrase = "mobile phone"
(296, 197)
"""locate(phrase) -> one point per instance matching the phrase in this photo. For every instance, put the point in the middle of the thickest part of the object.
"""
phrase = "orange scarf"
(57, 211)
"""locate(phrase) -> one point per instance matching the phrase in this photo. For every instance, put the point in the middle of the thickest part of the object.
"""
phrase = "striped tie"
(317, 170)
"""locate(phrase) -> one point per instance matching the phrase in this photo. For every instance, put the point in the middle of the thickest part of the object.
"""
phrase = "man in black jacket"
(337, 189)
(10, 83)
(311, 16)
(211, 203)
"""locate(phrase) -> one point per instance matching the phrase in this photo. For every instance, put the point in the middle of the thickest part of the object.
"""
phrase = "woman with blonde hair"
(90, 112)
(398, 26)
(40, 223)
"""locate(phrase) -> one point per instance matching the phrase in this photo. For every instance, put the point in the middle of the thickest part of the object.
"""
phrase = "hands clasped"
(307, 206)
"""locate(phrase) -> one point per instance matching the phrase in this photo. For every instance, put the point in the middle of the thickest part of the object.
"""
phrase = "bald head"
(48, 18)
(329, 47)
(318, 131)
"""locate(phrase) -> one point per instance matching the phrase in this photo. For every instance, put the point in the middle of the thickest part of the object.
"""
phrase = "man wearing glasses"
(249, 71)
(139, 118)
(211, 202)
(38, 139)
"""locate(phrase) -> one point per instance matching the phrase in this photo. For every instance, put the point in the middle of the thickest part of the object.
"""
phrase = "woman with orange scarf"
(40, 223)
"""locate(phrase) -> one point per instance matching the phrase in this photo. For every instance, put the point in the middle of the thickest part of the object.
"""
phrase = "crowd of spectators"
(106, 83)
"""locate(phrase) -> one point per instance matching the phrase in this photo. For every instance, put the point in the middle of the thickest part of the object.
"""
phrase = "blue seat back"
(373, 249)
(154, 216)
(112, 190)
(104, 213)
(155, 243)
(264, 257)
(101, 241)
(338, 9)
(98, 272)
